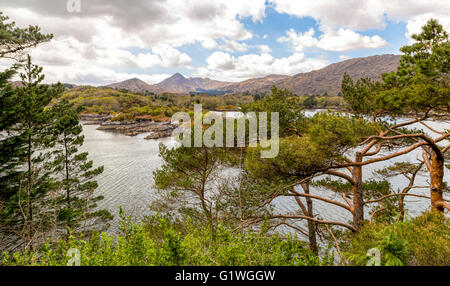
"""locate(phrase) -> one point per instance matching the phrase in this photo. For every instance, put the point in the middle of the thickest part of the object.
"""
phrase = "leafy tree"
(14, 41)
(286, 104)
(420, 86)
(77, 205)
(310, 102)
(186, 182)
(9, 153)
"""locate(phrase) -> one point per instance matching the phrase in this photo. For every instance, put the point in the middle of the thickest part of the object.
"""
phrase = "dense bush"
(423, 240)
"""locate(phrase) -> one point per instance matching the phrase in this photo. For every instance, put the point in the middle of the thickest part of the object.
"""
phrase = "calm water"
(130, 161)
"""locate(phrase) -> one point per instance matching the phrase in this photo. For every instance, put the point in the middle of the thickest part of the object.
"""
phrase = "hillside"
(327, 80)
(134, 84)
(255, 84)
(179, 84)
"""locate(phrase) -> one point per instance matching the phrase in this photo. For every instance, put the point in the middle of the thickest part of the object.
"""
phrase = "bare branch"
(323, 199)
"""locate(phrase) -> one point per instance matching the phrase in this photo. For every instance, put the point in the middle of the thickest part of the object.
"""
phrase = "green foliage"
(136, 245)
(291, 117)
(75, 200)
(131, 104)
(334, 134)
(186, 182)
(298, 158)
(358, 95)
(310, 102)
(424, 240)
(49, 184)
(10, 151)
(24, 213)
(14, 40)
(420, 84)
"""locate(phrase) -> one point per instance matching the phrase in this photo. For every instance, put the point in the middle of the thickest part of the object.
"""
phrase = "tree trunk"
(29, 190)
(436, 178)
(358, 200)
(401, 208)
(68, 199)
(312, 227)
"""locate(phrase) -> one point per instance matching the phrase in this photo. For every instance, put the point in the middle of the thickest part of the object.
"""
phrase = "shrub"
(424, 240)
(159, 244)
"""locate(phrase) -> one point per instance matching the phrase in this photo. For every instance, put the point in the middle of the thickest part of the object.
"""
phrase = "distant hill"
(66, 85)
(327, 80)
(134, 84)
(255, 84)
(179, 84)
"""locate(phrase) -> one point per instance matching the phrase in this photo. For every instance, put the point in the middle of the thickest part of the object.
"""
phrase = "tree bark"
(312, 226)
(358, 200)
(436, 178)
(29, 190)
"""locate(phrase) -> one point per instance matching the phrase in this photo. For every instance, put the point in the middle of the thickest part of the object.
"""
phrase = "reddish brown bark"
(436, 178)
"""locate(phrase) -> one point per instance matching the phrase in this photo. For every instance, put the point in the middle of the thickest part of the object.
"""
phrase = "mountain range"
(326, 80)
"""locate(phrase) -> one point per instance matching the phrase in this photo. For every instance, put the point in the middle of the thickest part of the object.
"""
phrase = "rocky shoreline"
(157, 130)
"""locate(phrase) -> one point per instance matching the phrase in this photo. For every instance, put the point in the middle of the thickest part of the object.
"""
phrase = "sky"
(98, 42)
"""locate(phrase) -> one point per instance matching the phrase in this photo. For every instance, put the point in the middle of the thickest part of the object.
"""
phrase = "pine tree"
(9, 153)
(76, 205)
(27, 215)
(14, 41)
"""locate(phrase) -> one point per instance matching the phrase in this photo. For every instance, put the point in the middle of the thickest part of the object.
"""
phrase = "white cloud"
(223, 66)
(171, 57)
(347, 40)
(105, 37)
(107, 33)
(358, 15)
(342, 40)
(220, 61)
(264, 49)
(117, 23)
(416, 23)
(231, 46)
(69, 60)
(344, 57)
(209, 44)
(299, 41)
(353, 14)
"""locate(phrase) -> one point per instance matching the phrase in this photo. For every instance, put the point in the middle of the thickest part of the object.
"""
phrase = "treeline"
(46, 185)
(130, 105)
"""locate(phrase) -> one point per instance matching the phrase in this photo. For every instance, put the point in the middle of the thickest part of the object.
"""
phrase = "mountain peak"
(178, 76)
(133, 84)
(135, 79)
